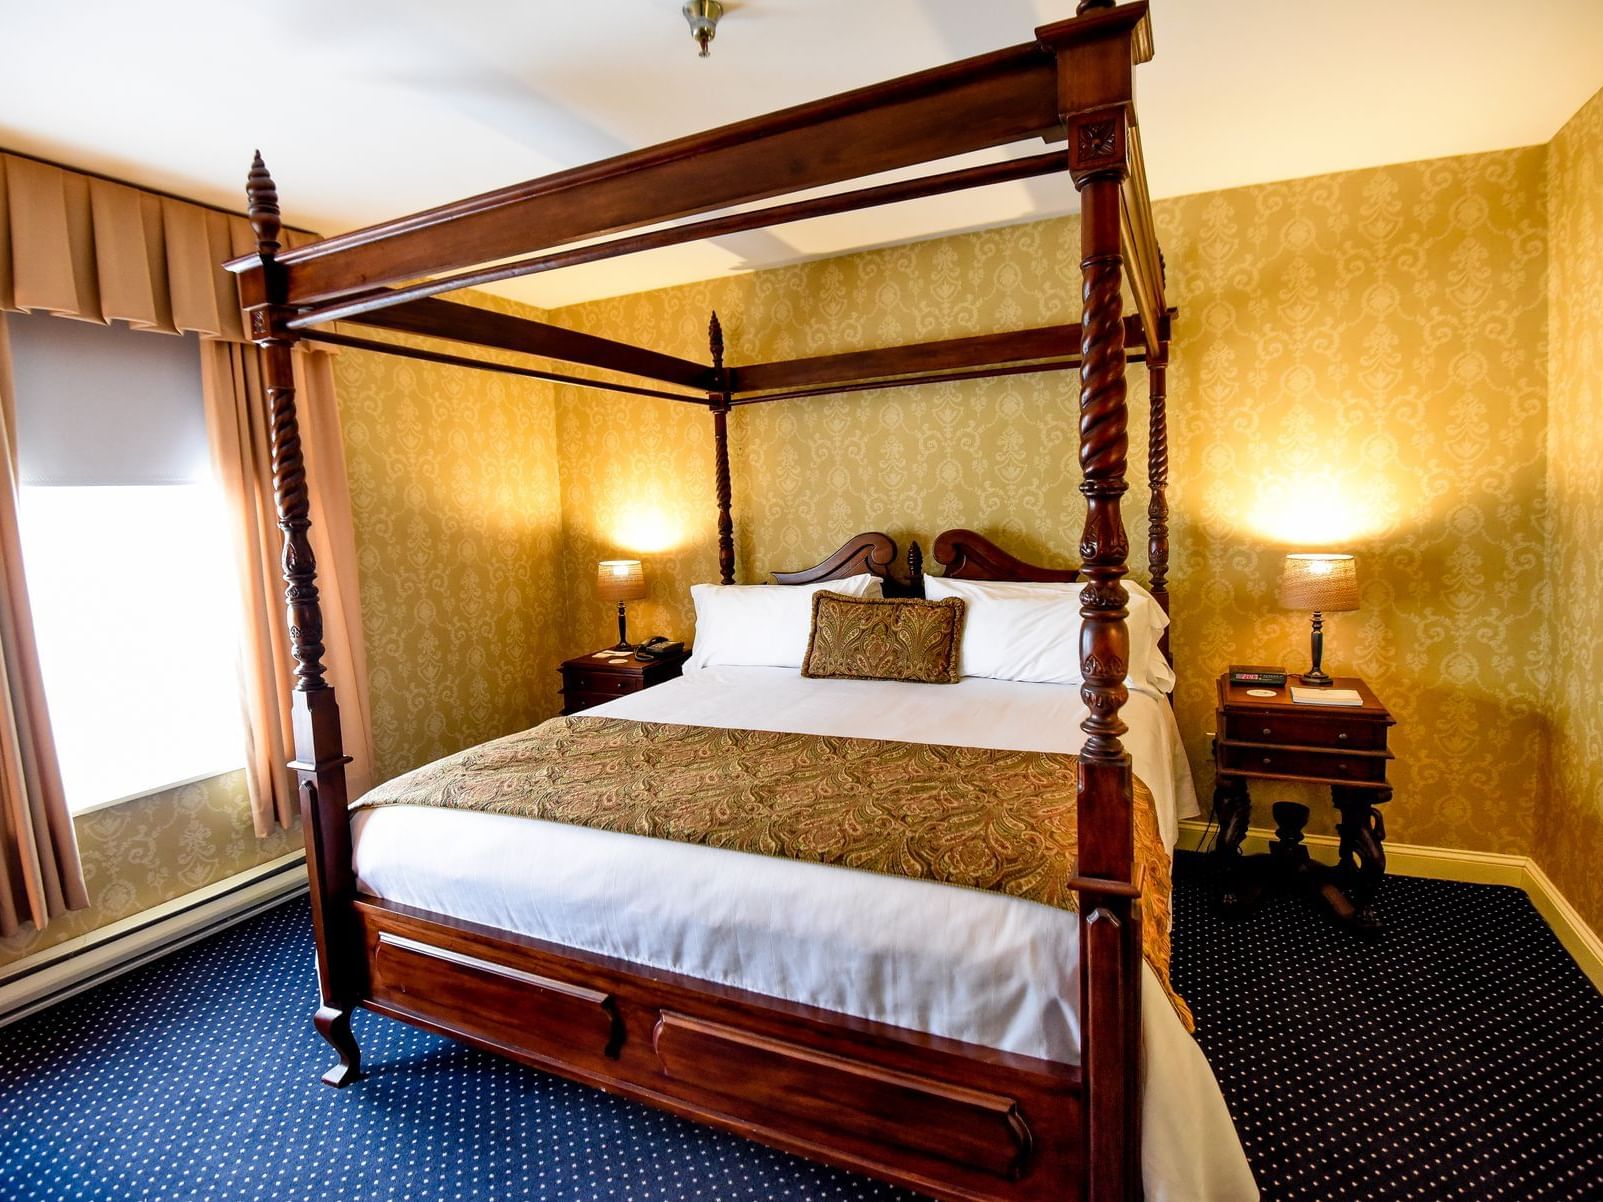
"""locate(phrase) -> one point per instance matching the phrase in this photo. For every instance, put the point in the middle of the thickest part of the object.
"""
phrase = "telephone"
(658, 647)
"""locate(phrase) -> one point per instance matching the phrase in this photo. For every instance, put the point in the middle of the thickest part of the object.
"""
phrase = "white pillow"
(761, 625)
(1016, 630)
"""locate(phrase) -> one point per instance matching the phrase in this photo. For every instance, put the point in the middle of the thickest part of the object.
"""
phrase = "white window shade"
(100, 405)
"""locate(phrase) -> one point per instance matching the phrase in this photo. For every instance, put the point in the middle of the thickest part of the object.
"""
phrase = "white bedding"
(970, 965)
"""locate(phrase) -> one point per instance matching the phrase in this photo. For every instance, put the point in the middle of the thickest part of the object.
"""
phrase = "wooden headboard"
(870, 552)
(969, 556)
(964, 554)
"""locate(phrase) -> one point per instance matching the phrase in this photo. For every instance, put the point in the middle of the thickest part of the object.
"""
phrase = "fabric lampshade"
(620, 580)
(1323, 583)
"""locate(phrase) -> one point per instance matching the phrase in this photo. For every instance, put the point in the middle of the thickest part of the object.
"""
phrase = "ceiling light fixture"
(703, 17)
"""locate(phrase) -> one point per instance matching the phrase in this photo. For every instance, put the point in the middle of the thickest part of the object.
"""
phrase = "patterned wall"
(1360, 366)
(636, 483)
(1571, 828)
(1359, 363)
(141, 853)
(454, 493)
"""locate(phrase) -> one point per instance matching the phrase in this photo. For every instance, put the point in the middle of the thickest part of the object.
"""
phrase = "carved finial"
(915, 566)
(262, 196)
(1086, 6)
(715, 340)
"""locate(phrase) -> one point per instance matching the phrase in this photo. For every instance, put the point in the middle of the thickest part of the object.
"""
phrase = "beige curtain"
(40, 876)
(236, 412)
(96, 250)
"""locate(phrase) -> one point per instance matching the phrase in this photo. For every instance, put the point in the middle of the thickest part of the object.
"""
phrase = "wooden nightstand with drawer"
(1276, 739)
(588, 680)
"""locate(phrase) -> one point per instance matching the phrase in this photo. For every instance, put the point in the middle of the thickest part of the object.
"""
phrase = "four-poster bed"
(944, 1116)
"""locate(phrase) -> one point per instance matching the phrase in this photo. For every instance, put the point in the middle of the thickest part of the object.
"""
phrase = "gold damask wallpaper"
(455, 498)
(1570, 827)
(1359, 364)
(144, 852)
(636, 482)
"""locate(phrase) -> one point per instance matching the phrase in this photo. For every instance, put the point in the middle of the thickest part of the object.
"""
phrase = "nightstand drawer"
(1283, 761)
(605, 684)
(1322, 730)
(573, 702)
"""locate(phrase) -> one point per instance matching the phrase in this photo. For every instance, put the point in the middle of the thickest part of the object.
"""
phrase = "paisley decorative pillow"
(883, 638)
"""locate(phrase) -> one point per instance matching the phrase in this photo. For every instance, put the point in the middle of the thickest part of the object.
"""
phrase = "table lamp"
(1324, 584)
(621, 580)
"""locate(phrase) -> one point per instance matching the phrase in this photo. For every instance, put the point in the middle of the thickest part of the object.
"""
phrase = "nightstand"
(587, 680)
(1342, 747)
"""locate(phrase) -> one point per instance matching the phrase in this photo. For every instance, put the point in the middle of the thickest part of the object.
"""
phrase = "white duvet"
(969, 965)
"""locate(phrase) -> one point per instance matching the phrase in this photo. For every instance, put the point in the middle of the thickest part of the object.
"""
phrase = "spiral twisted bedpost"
(320, 758)
(293, 501)
(1110, 923)
(1158, 486)
(720, 429)
(290, 494)
(1104, 451)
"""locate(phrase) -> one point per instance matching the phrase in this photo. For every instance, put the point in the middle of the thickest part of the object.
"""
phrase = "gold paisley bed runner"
(1002, 821)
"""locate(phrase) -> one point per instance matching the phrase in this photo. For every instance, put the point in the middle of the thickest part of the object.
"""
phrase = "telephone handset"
(658, 647)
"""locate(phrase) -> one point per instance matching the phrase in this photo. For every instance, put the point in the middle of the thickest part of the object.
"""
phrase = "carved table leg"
(1232, 810)
(1287, 849)
(1362, 858)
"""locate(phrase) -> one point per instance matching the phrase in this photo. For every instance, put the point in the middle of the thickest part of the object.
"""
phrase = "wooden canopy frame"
(907, 1107)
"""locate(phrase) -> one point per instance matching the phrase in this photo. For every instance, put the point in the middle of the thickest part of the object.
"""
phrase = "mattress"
(975, 966)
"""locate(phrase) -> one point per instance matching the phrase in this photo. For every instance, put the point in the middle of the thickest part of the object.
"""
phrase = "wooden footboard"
(950, 1119)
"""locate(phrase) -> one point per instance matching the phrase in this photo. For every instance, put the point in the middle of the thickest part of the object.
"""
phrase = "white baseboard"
(1451, 864)
(58, 972)
(1580, 940)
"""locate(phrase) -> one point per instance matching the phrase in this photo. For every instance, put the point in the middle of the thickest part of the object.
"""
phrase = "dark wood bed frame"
(951, 1119)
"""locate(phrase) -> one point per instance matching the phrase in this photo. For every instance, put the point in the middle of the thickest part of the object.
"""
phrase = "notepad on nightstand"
(1325, 696)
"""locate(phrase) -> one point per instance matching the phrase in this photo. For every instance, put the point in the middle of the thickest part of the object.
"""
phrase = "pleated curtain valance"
(85, 247)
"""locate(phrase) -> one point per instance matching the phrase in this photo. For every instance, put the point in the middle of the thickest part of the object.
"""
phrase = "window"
(126, 551)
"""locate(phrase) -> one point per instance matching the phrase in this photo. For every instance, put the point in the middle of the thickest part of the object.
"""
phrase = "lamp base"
(623, 643)
(1316, 645)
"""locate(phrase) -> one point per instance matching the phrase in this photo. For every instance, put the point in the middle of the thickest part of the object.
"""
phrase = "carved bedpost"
(720, 433)
(1158, 483)
(320, 757)
(1109, 930)
(1094, 90)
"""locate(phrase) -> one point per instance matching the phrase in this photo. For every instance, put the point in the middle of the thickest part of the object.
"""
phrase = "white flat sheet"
(970, 965)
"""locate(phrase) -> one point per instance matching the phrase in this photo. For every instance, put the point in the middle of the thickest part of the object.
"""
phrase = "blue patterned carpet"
(1460, 1058)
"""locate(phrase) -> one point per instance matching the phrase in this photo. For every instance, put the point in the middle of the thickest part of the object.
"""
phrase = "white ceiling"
(370, 109)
